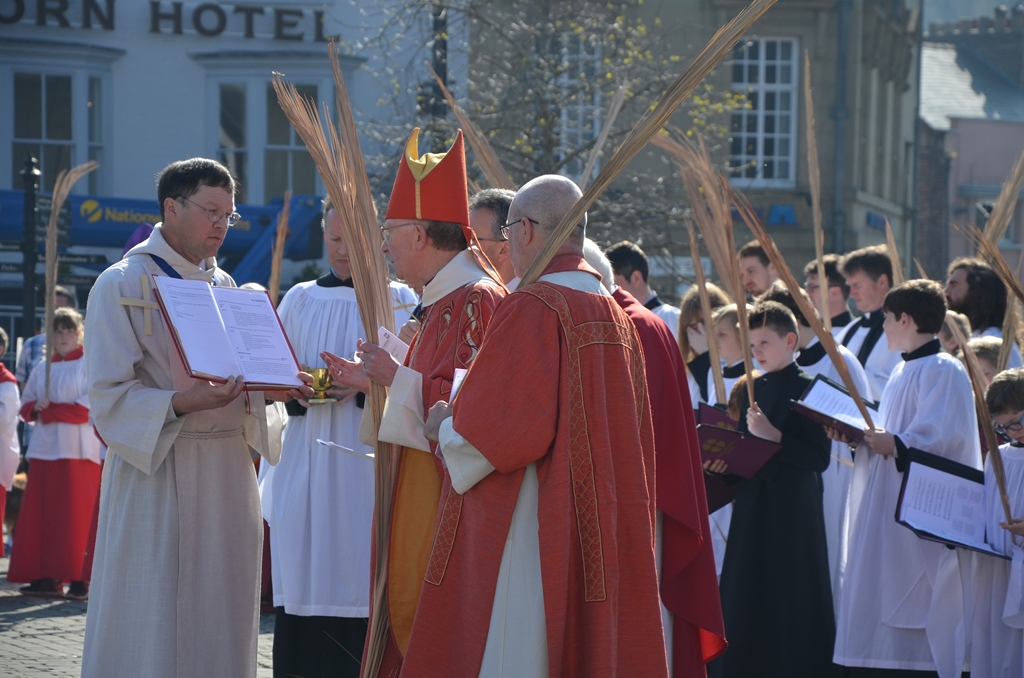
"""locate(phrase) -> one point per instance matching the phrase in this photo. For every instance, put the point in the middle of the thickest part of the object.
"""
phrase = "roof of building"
(955, 83)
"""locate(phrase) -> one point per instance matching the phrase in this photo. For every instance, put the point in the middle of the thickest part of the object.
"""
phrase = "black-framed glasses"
(1005, 430)
(492, 239)
(504, 227)
(216, 215)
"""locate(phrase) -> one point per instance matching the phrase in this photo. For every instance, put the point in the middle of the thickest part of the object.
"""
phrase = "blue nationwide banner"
(101, 221)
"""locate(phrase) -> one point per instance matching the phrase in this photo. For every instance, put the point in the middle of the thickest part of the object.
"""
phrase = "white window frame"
(80, 62)
(253, 72)
(777, 88)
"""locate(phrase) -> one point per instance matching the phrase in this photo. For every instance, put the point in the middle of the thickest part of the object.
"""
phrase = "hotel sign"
(207, 19)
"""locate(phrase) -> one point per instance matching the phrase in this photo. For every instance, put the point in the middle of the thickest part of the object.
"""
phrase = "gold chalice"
(322, 383)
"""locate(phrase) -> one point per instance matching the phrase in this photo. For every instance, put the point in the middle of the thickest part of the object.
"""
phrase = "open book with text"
(222, 332)
(942, 500)
(829, 404)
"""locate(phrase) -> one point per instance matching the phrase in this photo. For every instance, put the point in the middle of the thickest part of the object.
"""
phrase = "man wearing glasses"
(488, 212)
(176, 578)
(425, 236)
(550, 568)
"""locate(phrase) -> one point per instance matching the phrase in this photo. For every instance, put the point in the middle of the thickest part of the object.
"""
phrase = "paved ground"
(43, 636)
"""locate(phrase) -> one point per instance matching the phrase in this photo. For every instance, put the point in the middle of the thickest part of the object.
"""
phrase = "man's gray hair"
(595, 257)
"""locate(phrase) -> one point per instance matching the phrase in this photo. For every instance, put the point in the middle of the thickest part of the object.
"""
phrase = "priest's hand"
(301, 393)
(346, 373)
(881, 442)
(378, 365)
(438, 413)
(205, 395)
(342, 394)
(758, 424)
(698, 337)
(409, 330)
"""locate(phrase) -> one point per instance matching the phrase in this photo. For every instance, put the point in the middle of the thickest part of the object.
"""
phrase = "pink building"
(971, 132)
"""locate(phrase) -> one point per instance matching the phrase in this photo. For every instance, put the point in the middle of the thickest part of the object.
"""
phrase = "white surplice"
(319, 503)
(176, 577)
(61, 440)
(900, 596)
(10, 449)
(997, 629)
(836, 478)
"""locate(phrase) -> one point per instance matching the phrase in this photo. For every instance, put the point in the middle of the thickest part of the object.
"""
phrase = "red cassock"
(689, 585)
(452, 331)
(559, 383)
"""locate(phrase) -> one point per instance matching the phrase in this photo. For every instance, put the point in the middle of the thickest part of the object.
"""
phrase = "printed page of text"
(837, 404)
(945, 505)
(257, 337)
(194, 313)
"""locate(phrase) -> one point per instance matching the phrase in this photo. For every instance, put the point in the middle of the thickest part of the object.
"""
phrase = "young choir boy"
(776, 596)
(900, 599)
(996, 633)
(836, 478)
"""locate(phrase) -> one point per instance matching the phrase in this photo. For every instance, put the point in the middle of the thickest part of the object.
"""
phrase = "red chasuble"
(559, 382)
(689, 585)
(452, 331)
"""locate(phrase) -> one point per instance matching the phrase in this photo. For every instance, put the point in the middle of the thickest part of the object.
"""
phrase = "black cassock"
(776, 591)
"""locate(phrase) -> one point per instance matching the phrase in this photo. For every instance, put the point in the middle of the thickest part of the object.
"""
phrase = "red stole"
(452, 331)
(559, 382)
(689, 585)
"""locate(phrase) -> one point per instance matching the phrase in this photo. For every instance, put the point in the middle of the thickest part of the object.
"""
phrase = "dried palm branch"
(486, 157)
(277, 253)
(709, 205)
(814, 174)
(894, 255)
(752, 221)
(1006, 203)
(705, 307)
(713, 214)
(989, 251)
(1009, 332)
(613, 112)
(339, 161)
(978, 385)
(66, 180)
(656, 117)
(741, 309)
(921, 273)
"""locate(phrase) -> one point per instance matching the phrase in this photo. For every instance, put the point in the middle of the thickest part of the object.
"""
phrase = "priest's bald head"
(535, 213)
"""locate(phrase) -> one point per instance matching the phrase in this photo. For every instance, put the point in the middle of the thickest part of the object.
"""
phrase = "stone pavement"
(43, 636)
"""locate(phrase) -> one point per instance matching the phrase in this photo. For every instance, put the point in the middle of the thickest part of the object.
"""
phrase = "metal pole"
(30, 178)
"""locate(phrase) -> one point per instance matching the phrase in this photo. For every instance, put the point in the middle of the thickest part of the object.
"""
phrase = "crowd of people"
(549, 513)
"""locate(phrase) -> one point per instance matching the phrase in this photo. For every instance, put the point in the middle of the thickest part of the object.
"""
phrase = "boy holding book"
(776, 596)
(997, 632)
(900, 598)
(813, 360)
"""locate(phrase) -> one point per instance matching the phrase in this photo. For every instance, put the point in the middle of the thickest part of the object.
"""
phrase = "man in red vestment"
(426, 235)
(548, 568)
(695, 631)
